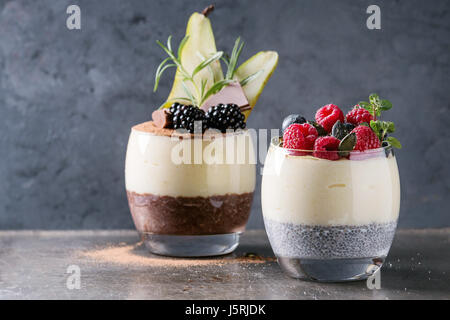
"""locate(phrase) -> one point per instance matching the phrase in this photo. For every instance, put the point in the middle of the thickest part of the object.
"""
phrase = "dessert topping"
(381, 128)
(361, 132)
(223, 117)
(326, 148)
(292, 118)
(300, 136)
(328, 115)
(347, 144)
(233, 93)
(320, 130)
(293, 137)
(162, 118)
(184, 117)
(358, 115)
(365, 138)
(340, 130)
(199, 80)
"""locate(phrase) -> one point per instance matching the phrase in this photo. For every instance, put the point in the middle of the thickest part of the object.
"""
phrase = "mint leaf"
(390, 127)
(364, 104)
(394, 142)
(375, 125)
(374, 99)
(385, 105)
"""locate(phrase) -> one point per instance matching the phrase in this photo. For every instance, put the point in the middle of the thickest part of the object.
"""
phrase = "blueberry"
(292, 118)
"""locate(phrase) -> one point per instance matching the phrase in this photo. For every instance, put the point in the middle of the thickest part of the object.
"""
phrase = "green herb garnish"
(231, 63)
(198, 95)
(347, 144)
(381, 128)
(376, 105)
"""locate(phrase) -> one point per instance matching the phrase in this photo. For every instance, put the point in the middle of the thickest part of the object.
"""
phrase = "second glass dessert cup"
(189, 196)
(330, 220)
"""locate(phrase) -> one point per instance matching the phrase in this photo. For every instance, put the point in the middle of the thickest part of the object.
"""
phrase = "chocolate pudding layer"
(220, 214)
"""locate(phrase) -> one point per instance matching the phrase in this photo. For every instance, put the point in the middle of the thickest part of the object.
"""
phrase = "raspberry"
(310, 134)
(300, 136)
(365, 139)
(358, 115)
(326, 148)
(328, 115)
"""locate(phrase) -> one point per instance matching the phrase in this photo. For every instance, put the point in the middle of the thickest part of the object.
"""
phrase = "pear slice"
(199, 46)
(266, 61)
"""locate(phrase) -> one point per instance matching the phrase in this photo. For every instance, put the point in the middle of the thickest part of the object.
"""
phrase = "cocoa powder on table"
(136, 255)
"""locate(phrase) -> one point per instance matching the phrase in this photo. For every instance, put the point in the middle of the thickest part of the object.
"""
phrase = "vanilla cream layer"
(308, 190)
(163, 165)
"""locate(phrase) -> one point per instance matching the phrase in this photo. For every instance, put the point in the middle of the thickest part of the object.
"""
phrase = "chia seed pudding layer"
(330, 242)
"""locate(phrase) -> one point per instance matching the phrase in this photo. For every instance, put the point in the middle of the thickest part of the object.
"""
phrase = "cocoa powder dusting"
(137, 255)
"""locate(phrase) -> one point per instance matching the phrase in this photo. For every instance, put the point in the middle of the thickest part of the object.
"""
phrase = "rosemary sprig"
(250, 78)
(200, 94)
(216, 87)
(231, 63)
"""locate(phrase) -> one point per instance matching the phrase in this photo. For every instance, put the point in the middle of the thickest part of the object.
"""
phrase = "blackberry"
(223, 117)
(183, 117)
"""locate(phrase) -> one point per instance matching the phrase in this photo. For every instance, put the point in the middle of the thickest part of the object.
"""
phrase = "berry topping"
(320, 130)
(332, 136)
(300, 136)
(292, 118)
(340, 130)
(310, 134)
(293, 137)
(183, 117)
(326, 148)
(349, 126)
(223, 117)
(359, 115)
(328, 115)
(365, 138)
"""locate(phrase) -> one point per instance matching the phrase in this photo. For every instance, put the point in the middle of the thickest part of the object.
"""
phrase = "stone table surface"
(115, 265)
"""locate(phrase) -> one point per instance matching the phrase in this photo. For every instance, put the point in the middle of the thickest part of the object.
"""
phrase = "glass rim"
(276, 142)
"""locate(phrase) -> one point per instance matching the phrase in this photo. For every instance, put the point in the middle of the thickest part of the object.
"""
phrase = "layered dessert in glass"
(183, 208)
(331, 204)
(190, 171)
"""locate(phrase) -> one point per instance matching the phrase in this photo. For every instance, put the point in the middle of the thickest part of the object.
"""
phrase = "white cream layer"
(153, 165)
(308, 190)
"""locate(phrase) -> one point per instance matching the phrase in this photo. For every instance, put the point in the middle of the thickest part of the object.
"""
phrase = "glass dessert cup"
(330, 220)
(189, 196)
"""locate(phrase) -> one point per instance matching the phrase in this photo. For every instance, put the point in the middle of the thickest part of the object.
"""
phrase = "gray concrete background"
(69, 98)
